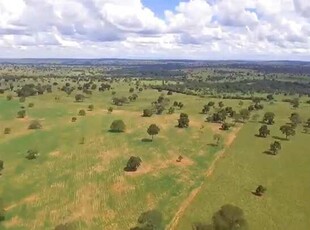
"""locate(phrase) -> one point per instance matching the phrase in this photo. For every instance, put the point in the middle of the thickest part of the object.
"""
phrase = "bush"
(21, 113)
(1, 165)
(147, 113)
(110, 109)
(32, 154)
(117, 126)
(35, 125)
(30, 105)
(82, 112)
(90, 107)
(73, 119)
(133, 164)
(79, 97)
(7, 131)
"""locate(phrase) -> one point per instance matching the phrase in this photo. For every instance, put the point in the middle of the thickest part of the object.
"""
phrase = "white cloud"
(217, 29)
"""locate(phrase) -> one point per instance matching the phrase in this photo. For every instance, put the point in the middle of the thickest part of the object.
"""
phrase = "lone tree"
(260, 190)
(229, 217)
(264, 131)
(32, 154)
(269, 118)
(150, 220)
(275, 147)
(35, 125)
(217, 137)
(133, 164)
(183, 121)
(117, 126)
(205, 109)
(153, 130)
(287, 130)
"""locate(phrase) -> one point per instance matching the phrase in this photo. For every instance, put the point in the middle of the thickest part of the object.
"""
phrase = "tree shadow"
(279, 138)
(147, 140)
(268, 152)
(256, 194)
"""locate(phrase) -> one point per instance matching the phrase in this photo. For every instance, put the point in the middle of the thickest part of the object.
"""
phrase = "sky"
(156, 29)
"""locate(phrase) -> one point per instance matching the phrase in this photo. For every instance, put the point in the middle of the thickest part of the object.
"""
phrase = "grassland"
(245, 166)
(86, 184)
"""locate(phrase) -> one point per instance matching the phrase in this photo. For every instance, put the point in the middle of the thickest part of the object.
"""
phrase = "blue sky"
(159, 6)
(191, 29)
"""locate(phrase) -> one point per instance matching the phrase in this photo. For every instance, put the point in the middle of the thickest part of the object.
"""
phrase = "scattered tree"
(90, 107)
(287, 130)
(32, 154)
(269, 118)
(229, 217)
(82, 112)
(133, 164)
(153, 130)
(147, 113)
(183, 121)
(295, 119)
(35, 124)
(117, 126)
(7, 131)
(110, 109)
(79, 98)
(275, 147)
(260, 190)
(264, 131)
(21, 113)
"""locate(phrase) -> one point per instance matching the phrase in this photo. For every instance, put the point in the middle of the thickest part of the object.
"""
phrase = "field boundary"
(175, 221)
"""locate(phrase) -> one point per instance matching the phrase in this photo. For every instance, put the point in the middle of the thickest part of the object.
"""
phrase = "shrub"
(7, 131)
(21, 113)
(1, 165)
(30, 105)
(183, 121)
(82, 112)
(147, 113)
(73, 119)
(32, 154)
(117, 126)
(133, 164)
(35, 125)
(90, 107)
(110, 109)
(79, 97)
